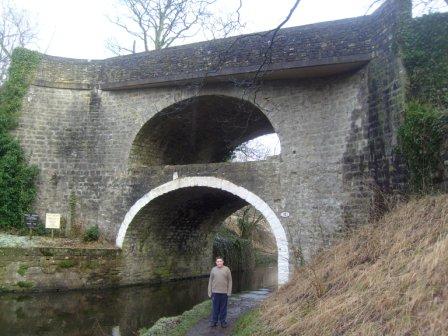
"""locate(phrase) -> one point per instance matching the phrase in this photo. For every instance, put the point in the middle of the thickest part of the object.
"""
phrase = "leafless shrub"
(16, 30)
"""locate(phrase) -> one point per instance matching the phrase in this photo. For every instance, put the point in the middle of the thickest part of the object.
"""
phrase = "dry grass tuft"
(390, 278)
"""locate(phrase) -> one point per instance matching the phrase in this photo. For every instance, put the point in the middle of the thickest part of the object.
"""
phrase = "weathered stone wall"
(311, 172)
(58, 129)
(371, 165)
(337, 133)
(37, 269)
(312, 119)
(68, 73)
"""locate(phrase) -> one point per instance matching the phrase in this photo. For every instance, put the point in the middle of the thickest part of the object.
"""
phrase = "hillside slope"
(390, 278)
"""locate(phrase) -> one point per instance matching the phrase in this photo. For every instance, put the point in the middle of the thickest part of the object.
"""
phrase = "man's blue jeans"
(219, 302)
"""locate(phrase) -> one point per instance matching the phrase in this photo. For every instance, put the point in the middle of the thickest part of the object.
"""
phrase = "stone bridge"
(139, 144)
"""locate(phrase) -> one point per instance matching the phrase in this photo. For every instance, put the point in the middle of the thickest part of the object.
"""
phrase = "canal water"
(115, 311)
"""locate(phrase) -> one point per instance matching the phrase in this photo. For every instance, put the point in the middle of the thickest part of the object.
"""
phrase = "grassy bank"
(389, 278)
(179, 325)
(248, 324)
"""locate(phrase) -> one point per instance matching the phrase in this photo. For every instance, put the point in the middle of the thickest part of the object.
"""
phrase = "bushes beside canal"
(238, 253)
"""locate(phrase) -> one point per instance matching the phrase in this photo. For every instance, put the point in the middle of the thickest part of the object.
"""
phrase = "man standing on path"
(219, 289)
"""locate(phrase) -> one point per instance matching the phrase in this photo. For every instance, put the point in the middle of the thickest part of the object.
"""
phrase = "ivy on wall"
(423, 132)
(17, 177)
(425, 56)
(421, 137)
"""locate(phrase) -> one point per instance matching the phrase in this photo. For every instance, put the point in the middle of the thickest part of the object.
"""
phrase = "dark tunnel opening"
(204, 129)
(176, 217)
(173, 235)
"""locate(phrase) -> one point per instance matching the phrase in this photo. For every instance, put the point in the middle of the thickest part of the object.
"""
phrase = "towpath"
(236, 307)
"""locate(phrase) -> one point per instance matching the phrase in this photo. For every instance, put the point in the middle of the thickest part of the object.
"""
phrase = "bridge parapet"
(320, 49)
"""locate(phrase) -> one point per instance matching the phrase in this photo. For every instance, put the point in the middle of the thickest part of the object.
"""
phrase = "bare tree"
(16, 30)
(257, 149)
(248, 221)
(157, 24)
(428, 4)
(223, 26)
(422, 6)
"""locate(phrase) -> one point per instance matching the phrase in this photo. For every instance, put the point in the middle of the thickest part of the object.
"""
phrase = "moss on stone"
(162, 271)
(4, 289)
(92, 264)
(22, 270)
(68, 263)
(25, 284)
(46, 252)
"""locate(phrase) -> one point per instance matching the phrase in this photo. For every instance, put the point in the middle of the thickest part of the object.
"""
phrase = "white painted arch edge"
(216, 183)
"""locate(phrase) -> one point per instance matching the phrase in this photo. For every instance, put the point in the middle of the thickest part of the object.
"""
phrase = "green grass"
(25, 284)
(4, 289)
(249, 324)
(22, 270)
(67, 263)
(92, 234)
(179, 325)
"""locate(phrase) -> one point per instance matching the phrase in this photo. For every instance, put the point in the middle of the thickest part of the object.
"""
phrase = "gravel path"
(237, 305)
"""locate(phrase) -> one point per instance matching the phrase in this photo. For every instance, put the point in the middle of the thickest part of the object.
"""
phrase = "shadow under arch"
(200, 129)
(216, 183)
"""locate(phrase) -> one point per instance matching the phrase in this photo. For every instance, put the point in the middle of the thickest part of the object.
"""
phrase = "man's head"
(219, 262)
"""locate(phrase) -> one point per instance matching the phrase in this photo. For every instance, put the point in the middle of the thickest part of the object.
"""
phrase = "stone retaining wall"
(45, 268)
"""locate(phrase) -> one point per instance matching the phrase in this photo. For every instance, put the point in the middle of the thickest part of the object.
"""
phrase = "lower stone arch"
(213, 182)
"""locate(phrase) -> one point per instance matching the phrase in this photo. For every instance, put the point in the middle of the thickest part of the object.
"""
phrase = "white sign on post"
(52, 221)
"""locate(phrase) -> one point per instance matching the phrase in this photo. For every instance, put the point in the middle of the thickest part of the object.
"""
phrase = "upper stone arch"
(200, 129)
(216, 183)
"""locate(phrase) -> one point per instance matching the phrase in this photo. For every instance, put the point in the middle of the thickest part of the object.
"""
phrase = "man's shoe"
(213, 324)
(224, 324)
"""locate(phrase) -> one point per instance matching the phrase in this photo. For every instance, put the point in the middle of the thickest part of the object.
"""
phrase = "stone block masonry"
(45, 268)
(109, 131)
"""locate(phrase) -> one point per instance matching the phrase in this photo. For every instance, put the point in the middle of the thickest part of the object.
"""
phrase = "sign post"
(52, 221)
(31, 220)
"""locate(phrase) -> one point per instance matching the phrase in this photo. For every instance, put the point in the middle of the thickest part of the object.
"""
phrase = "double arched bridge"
(140, 144)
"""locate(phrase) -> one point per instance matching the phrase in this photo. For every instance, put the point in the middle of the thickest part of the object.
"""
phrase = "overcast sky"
(80, 28)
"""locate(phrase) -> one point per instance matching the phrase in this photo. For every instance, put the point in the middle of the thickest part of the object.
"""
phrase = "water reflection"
(119, 311)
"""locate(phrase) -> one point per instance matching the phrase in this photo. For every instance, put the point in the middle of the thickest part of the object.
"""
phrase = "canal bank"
(195, 322)
(115, 311)
(40, 264)
(58, 268)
